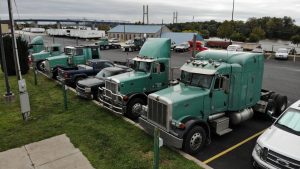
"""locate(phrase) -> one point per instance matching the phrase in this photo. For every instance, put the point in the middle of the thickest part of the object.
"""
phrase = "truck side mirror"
(70, 59)
(225, 85)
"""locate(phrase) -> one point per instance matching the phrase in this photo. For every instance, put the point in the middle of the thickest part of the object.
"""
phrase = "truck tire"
(134, 108)
(272, 108)
(40, 65)
(281, 102)
(194, 140)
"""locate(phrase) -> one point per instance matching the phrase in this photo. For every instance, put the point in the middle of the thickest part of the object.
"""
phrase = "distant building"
(180, 37)
(135, 31)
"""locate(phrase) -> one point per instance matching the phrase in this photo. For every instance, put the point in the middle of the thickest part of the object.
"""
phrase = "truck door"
(220, 94)
(158, 78)
(95, 52)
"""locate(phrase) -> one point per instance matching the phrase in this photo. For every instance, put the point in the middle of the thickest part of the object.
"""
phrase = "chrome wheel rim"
(196, 141)
(136, 109)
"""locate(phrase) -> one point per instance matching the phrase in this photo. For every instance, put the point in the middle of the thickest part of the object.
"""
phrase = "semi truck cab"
(71, 57)
(126, 93)
(216, 89)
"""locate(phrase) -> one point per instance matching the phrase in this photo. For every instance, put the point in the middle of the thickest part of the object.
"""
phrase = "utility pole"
(9, 96)
(175, 16)
(232, 11)
(145, 13)
(24, 98)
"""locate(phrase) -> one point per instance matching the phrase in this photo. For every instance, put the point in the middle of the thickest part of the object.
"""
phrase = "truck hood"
(183, 99)
(131, 82)
(281, 142)
(90, 82)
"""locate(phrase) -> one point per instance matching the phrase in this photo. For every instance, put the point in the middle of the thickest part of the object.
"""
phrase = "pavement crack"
(75, 152)
(29, 157)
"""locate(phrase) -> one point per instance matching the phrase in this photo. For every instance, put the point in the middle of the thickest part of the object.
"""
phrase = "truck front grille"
(47, 66)
(111, 88)
(281, 161)
(158, 112)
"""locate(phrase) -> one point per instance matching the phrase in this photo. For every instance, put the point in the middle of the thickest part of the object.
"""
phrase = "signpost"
(158, 142)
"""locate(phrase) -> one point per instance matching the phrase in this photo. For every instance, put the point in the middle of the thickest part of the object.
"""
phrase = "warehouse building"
(127, 32)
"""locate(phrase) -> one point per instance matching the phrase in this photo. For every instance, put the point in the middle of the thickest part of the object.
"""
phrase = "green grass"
(105, 139)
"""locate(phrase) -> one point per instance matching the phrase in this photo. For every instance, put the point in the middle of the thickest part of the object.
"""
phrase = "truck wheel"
(272, 109)
(195, 140)
(101, 47)
(281, 104)
(134, 108)
(40, 65)
(95, 95)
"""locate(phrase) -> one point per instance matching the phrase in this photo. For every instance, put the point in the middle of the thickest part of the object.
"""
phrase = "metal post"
(24, 98)
(65, 88)
(194, 45)
(156, 149)
(14, 42)
(8, 93)
(35, 75)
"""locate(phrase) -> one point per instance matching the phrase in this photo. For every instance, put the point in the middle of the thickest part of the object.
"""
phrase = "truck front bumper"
(168, 139)
(81, 93)
(110, 104)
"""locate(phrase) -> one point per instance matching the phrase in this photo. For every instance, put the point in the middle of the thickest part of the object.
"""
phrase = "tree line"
(253, 30)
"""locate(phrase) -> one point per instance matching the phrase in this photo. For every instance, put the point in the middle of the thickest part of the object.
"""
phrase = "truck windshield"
(142, 66)
(290, 121)
(103, 74)
(68, 51)
(195, 79)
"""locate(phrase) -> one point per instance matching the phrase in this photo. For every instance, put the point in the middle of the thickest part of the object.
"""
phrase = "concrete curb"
(185, 155)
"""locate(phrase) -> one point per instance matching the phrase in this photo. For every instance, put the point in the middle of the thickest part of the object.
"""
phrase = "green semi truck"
(126, 93)
(104, 43)
(71, 57)
(38, 52)
(217, 89)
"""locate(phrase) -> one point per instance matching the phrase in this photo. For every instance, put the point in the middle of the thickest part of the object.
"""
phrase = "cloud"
(131, 10)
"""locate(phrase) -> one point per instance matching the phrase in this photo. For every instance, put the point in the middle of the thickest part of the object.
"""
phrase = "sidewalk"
(53, 153)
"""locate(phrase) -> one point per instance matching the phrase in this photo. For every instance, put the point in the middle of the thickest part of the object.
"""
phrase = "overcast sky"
(131, 10)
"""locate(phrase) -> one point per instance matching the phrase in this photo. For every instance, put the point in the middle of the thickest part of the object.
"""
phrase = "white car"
(282, 53)
(279, 146)
(235, 48)
(183, 47)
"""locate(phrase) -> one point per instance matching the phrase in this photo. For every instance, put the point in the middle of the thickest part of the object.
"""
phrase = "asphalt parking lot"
(234, 149)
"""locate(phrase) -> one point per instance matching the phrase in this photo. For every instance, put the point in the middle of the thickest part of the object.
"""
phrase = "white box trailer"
(86, 34)
(37, 30)
(58, 32)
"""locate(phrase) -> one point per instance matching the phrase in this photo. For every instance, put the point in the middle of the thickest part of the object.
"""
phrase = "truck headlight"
(258, 149)
(87, 90)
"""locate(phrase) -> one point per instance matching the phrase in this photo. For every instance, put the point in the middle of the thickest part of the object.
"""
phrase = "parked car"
(183, 47)
(88, 88)
(235, 48)
(93, 66)
(282, 53)
(279, 146)
(258, 49)
(173, 45)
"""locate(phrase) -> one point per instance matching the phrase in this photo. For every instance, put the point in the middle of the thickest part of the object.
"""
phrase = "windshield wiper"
(288, 128)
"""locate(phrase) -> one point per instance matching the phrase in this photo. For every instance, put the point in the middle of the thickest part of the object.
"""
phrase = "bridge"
(77, 22)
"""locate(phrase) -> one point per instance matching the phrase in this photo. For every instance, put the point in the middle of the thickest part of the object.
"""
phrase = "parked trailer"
(58, 32)
(87, 34)
(37, 30)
